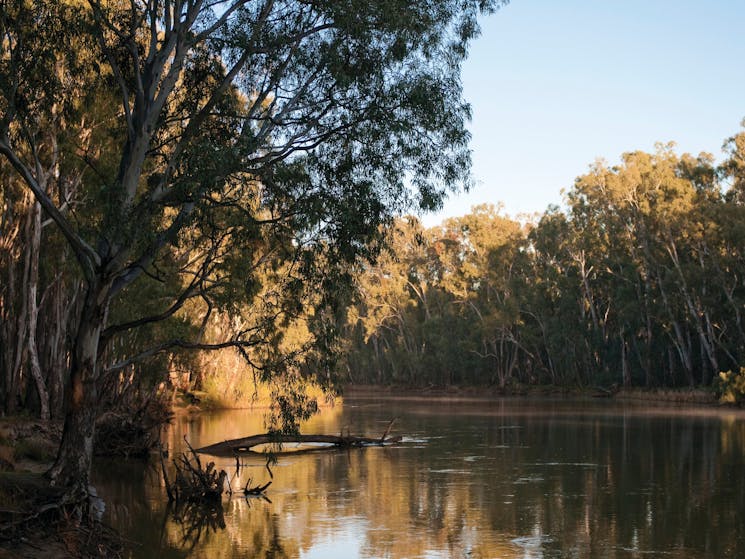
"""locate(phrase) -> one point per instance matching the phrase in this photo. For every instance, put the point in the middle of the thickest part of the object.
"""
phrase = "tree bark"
(71, 469)
(33, 311)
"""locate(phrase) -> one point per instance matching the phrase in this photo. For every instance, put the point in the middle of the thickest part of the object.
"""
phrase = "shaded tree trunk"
(625, 369)
(9, 253)
(33, 311)
(73, 464)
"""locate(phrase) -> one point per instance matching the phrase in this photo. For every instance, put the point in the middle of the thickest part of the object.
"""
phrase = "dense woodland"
(637, 281)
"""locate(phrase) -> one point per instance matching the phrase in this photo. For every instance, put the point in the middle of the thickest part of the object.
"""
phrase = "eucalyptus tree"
(550, 298)
(392, 328)
(294, 125)
(477, 271)
(648, 252)
(733, 168)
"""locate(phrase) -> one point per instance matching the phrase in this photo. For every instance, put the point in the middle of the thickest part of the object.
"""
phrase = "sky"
(556, 84)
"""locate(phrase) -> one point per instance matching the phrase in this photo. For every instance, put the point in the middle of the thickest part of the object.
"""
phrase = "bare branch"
(155, 350)
(86, 255)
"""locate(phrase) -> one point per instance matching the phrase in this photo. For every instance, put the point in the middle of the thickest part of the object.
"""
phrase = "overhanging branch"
(181, 344)
(86, 255)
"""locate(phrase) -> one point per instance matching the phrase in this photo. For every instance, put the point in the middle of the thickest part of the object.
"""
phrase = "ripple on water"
(416, 440)
(637, 551)
(528, 479)
(532, 542)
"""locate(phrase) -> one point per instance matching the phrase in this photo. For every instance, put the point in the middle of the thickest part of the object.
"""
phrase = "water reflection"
(509, 479)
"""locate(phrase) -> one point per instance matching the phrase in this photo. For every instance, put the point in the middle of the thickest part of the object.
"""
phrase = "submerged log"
(246, 444)
(602, 392)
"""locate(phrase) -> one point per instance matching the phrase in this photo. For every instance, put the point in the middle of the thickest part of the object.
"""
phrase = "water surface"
(506, 479)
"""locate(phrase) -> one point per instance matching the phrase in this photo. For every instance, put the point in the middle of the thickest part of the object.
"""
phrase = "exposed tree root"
(40, 522)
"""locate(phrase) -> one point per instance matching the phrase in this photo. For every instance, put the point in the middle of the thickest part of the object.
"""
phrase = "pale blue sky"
(555, 84)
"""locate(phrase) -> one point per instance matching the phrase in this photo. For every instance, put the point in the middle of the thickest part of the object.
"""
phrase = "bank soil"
(33, 523)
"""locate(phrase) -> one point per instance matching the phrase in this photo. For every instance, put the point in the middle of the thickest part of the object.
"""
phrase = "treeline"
(638, 281)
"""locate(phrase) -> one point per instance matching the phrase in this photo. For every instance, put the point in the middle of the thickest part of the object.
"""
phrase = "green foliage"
(637, 282)
(227, 161)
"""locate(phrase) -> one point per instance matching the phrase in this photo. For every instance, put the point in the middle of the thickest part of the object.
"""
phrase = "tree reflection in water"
(508, 479)
(195, 519)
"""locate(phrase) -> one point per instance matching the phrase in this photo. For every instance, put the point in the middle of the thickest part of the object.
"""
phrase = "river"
(506, 478)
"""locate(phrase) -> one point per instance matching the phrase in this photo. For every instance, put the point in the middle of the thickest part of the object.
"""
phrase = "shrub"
(731, 385)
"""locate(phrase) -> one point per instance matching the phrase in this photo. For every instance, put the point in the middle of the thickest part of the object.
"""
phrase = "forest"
(637, 281)
(182, 177)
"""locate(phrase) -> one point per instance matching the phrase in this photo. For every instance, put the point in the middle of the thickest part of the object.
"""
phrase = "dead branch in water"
(256, 490)
(193, 482)
(388, 430)
(246, 444)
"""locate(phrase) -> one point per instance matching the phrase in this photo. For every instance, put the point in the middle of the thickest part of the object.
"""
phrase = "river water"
(507, 478)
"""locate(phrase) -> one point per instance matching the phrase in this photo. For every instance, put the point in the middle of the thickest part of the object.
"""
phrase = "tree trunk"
(33, 311)
(63, 302)
(245, 444)
(71, 469)
(21, 330)
(8, 304)
(625, 369)
(378, 359)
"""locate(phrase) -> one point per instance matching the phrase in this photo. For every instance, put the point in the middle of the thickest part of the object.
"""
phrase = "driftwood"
(245, 445)
(256, 491)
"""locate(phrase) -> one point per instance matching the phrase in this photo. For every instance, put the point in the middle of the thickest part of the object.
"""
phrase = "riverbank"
(692, 396)
(32, 525)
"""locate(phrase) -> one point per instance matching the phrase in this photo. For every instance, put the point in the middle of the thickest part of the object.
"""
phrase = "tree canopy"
(637, 282)
(224, 156)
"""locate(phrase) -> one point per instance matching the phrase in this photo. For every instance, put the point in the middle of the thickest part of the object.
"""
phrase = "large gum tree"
(217, 125)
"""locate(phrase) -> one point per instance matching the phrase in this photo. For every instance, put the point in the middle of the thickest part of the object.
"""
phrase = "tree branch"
(87, 257)
(178, 343)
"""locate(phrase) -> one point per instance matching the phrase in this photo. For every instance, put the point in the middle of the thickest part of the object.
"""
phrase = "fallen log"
(246, 444)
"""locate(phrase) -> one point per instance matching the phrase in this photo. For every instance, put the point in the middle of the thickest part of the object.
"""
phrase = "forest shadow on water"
(510, 478)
